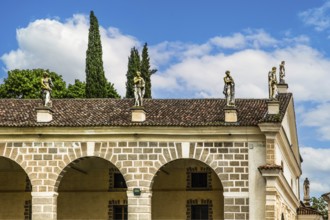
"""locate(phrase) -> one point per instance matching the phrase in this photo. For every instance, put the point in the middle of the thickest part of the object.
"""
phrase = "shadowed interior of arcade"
(15, 191)
(187, 189)
(92, 188)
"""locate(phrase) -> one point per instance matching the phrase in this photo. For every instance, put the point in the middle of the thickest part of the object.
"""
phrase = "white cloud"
(236, 41)
(316, 168)
(319, 117)
(61, 47)
(250, 39)
(317, 17)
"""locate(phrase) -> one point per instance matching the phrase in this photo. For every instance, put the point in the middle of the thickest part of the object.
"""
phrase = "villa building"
(170, 159)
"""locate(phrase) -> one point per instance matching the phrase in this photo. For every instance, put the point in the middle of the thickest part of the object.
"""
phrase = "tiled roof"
(159, 112)
(307, 211)
(270, 167)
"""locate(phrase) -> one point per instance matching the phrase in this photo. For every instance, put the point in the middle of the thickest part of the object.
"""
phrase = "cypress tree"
(95, 78)
(133, 66)
(146, 72)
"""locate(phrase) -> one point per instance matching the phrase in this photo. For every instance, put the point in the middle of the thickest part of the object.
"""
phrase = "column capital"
(44, 194)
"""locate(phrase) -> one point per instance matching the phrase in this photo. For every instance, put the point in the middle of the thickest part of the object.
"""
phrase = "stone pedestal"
(307, 202)
(44, 205)
(282, 88)
(44, 114)
(138, 114)
(230, 114)
(273, 107)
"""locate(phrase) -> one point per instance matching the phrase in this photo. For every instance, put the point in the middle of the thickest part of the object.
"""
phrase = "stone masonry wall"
(46, 162)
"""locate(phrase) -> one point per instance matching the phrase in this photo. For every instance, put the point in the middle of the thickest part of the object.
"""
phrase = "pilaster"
(139, 206)
(270, 130)
(44, 205)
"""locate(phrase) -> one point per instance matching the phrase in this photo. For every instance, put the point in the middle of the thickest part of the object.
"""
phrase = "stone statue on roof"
(306, 189)
(282, 72)
(139, 89)
(46, 89)
(272, 84)
(229, 89)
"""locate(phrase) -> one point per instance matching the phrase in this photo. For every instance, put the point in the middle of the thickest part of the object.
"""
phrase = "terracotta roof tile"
(307, 211)
(270, 167)
(116, 112)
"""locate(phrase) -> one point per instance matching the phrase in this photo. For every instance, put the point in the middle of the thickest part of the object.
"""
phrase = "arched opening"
(92, 188)
(15, 191)
(187, 189)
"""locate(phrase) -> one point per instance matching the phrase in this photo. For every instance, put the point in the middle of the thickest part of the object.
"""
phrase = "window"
(120, 212)
(119, 181)
(198, 180)
(199, 209)
(116, 181)
(199, 212)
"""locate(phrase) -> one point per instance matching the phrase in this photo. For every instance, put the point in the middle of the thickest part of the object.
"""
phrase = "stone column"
(44, 205)
(139, 207)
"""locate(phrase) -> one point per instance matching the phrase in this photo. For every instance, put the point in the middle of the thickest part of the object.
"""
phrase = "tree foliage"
(26, 84)
(111, 91)
(146, 72)
(320, 205)
(135, 63)
(96, 83)
(76, 90)
(133, 66)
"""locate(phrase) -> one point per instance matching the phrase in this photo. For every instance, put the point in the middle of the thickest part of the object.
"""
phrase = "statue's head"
(274, 68)
(283, 62)
(138, 73)
(227, 72)
(45, 74)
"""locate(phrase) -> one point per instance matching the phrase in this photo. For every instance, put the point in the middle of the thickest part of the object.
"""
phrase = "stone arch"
(197, 151)
(69, 164)
(12, 152)
(79, 151)
(87, 189)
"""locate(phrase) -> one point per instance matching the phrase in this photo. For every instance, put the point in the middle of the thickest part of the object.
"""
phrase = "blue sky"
(191, 43)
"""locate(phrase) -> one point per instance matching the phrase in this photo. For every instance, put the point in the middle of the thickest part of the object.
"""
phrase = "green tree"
(26, 84)
(320, 205)
(111, 91)
(146, 72)
(76, 90)
(133, 66)
(95, 78)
